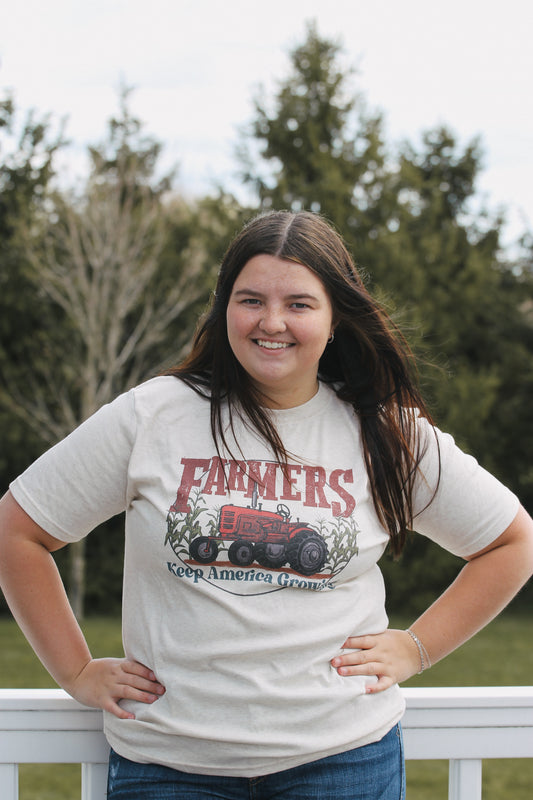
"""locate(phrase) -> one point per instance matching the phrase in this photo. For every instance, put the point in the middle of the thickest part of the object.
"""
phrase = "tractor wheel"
(203, 549)
(307, 552)
(270, 555)
(241, 553)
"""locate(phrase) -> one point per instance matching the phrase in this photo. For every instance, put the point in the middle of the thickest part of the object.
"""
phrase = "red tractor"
(267, 537)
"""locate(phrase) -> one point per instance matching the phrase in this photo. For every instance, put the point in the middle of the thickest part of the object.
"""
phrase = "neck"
(270, 398)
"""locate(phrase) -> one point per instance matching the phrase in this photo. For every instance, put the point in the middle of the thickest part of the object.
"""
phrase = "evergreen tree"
(436, 265)
(27, 155)
(319, 149)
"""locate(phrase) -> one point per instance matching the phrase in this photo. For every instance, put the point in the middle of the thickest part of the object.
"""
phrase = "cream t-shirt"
(242, 582)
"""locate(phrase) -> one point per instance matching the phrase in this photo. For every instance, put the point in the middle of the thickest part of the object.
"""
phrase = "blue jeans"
(372, 772)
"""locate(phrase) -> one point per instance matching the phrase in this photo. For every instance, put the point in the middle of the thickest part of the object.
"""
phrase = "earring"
(331, 338)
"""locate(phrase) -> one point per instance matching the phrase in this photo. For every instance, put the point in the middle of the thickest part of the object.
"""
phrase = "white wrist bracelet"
(422, 652)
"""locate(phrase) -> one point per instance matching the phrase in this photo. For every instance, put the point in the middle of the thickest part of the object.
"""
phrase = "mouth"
(273, 345)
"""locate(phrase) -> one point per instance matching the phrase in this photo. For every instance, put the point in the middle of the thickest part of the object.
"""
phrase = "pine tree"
(317, 149)
(408, 218)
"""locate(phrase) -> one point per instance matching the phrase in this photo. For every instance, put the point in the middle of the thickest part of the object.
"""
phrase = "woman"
(262, 480)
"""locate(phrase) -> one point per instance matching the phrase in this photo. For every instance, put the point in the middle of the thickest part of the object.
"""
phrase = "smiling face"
(279, 318)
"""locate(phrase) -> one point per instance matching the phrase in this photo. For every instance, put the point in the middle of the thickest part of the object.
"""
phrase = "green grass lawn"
(499, 655)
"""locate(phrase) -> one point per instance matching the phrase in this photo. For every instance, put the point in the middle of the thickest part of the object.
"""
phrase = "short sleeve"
(470, 508)
(83, 480)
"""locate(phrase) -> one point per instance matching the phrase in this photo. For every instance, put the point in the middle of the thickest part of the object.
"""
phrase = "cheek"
(237, 327)
(318, 334)
(233, 322)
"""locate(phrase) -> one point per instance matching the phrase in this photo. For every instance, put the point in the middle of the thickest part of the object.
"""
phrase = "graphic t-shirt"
(243, 580)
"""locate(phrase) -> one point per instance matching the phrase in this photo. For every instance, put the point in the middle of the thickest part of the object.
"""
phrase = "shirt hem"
(259, 767)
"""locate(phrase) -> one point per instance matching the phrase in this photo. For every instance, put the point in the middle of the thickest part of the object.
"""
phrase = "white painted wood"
(9, 782)
(469, 722)
(464, 781)
(93, 781)
(52, 747)
(463, 725)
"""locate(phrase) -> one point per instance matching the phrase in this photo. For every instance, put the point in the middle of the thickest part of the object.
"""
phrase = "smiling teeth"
(273, 345)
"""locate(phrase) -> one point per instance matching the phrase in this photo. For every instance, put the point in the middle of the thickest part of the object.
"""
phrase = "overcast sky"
(196, 65)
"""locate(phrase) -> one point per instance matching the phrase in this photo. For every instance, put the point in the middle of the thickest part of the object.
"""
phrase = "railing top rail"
(430, 697)
(38, 700)
(469, 696)
(440, 722)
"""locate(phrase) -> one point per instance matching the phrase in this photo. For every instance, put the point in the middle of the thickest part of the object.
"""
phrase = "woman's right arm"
(36, 596)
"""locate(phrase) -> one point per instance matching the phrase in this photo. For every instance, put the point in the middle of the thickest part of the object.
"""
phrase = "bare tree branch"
(100, 267)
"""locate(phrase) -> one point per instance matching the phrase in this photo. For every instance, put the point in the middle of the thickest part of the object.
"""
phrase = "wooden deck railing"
(461, 725)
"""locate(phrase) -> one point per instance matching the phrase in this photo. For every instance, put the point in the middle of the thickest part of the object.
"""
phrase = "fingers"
(360, 658)
(133, 681)
(138, 677)
(383, 683)
(117, 711)
(104, 683)
(386, 656)
(361, 642)
(357, 663)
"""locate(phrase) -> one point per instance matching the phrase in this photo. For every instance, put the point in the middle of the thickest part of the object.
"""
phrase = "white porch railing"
(462, 725)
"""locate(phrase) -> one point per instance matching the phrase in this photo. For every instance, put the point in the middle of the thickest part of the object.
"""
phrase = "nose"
(272, 321)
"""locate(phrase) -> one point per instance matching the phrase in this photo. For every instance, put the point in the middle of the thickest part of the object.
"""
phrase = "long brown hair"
(369, 363)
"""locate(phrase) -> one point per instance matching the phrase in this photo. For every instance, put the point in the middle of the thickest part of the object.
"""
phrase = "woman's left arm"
(485, 585)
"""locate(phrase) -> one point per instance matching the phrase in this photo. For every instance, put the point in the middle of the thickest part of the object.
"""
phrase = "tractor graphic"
(268, 537)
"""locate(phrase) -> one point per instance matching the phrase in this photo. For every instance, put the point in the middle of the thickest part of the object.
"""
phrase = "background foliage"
(72, 285)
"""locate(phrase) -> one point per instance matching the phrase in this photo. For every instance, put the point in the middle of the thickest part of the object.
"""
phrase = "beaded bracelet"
(422, 652)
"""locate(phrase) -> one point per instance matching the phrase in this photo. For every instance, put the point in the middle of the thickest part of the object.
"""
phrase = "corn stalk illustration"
(183, 528)
(341, 538)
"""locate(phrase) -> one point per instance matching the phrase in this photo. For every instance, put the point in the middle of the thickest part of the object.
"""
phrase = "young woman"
(262, 480)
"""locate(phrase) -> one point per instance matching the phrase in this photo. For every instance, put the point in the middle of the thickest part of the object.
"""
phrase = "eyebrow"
(297, 296)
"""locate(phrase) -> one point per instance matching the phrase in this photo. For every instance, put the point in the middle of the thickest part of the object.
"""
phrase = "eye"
(299, 305)
(250, 301)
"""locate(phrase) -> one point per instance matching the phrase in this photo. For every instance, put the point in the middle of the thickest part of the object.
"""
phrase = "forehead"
(271, 272)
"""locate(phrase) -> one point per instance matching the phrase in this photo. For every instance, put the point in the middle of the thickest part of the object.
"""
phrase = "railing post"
(93, 781)
(464, 781)
(9, 781)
